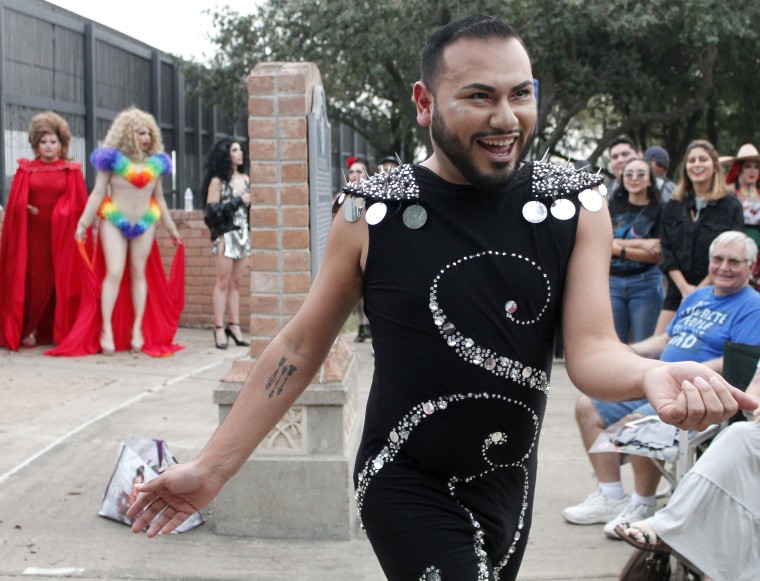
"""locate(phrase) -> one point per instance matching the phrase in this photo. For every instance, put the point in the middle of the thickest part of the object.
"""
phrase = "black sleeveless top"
(464, 311)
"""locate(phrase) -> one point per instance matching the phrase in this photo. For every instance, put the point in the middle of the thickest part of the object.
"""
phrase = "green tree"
(663, 71)
(653, 70)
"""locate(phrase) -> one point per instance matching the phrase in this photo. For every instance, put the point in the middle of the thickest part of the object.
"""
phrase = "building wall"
(53, 59)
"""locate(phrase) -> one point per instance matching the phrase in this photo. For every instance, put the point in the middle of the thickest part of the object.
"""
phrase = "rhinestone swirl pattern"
(520, 525)
(401, 433)
(468, 349)
(431, 574)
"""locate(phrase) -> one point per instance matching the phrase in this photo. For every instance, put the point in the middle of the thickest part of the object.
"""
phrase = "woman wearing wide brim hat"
(746, 151)
(742, 180)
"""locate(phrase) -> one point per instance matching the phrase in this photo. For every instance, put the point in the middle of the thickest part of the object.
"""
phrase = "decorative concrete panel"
(288, 436)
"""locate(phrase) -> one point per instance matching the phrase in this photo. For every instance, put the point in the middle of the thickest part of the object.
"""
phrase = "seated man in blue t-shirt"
(729, 310)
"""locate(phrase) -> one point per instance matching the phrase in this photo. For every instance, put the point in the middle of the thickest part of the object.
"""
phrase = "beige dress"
(713, 518)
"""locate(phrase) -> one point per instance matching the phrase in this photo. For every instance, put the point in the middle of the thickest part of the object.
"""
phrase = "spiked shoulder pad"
(394, 184)
(553, 181)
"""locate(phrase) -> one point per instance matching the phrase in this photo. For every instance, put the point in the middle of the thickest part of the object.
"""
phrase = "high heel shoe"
(229, 333)
(137, 344)
(220, 345)
(106, 345)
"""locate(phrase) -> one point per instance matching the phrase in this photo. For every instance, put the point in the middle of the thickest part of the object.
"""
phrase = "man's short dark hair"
(476, 26)
(623, 139)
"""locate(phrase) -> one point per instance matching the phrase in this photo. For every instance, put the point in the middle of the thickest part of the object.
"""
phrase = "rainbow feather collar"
(110, 159)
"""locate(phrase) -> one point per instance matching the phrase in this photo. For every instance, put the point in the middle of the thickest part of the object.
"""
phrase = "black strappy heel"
(220, 345)
(229, 333)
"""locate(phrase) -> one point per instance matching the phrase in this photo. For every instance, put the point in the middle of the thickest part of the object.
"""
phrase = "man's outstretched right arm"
(284, 370)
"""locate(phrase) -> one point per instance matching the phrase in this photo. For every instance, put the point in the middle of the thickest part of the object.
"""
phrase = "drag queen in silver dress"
(236, 243)
(228, 201)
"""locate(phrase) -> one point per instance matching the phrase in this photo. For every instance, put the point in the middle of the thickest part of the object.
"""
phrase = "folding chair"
(739, 364)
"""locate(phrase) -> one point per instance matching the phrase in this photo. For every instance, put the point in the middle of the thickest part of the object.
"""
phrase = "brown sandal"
(632, 535)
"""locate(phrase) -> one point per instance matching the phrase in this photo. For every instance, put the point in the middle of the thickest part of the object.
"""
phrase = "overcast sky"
(176, 26)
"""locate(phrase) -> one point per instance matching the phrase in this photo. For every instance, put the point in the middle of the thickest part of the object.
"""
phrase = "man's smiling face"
(483, 110)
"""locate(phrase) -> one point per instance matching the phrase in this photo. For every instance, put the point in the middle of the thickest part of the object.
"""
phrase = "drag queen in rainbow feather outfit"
(128, 198)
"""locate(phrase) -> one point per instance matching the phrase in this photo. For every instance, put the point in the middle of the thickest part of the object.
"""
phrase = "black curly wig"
(219, 165)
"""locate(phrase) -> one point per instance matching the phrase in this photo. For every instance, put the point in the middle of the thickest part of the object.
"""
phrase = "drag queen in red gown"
(128, 303)
(40, 284)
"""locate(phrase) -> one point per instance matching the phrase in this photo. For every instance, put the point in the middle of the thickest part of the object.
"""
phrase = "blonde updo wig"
(122, 134)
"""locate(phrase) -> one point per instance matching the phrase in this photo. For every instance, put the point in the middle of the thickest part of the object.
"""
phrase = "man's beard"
(458, 154)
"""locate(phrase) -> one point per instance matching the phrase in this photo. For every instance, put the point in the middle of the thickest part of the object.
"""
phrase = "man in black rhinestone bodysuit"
(467, 263)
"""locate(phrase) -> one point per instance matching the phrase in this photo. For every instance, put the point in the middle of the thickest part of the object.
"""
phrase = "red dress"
(163, 307)
(41, 282)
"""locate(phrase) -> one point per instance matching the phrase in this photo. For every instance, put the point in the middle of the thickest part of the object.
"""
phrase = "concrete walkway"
(61, 423)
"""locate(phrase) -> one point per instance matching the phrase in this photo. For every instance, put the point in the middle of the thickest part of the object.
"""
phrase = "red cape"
(163, 307)
(14, 255)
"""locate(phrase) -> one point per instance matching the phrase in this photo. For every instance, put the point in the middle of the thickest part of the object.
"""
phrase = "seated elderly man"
(720, 488)
(728, 310)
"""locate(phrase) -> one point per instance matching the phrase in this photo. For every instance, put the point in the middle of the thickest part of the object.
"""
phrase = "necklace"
(748, 194)
(110, 159)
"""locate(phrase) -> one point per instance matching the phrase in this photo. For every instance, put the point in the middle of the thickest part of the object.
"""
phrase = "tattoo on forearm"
(279, 377)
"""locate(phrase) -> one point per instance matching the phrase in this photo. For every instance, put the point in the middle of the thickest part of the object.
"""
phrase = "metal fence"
(53, 59)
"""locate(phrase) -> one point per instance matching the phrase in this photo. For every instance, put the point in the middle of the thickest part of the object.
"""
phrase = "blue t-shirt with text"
(704, 322)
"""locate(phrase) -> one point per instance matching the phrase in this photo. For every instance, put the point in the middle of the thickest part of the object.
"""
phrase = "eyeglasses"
(732, 262)
(635, 174)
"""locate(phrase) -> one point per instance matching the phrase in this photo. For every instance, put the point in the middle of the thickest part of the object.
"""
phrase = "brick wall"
(200, 273)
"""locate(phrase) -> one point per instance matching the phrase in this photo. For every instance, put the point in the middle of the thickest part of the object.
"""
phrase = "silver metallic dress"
(237, 243)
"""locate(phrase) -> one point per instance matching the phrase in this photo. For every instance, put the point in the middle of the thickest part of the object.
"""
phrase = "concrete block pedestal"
(297, 484)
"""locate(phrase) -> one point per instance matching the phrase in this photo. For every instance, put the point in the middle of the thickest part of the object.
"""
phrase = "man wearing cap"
(660, 161)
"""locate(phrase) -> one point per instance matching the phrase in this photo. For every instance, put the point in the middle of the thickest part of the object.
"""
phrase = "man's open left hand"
(691, 395)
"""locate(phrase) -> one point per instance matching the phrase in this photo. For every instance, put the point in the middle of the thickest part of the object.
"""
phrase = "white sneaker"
(631, 513)
(596, 509)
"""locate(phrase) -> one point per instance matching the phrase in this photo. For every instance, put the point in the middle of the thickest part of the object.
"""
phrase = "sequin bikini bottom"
(110, 211)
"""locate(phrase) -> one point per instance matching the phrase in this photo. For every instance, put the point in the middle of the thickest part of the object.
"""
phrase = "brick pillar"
(298, 482)
(278, 102)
